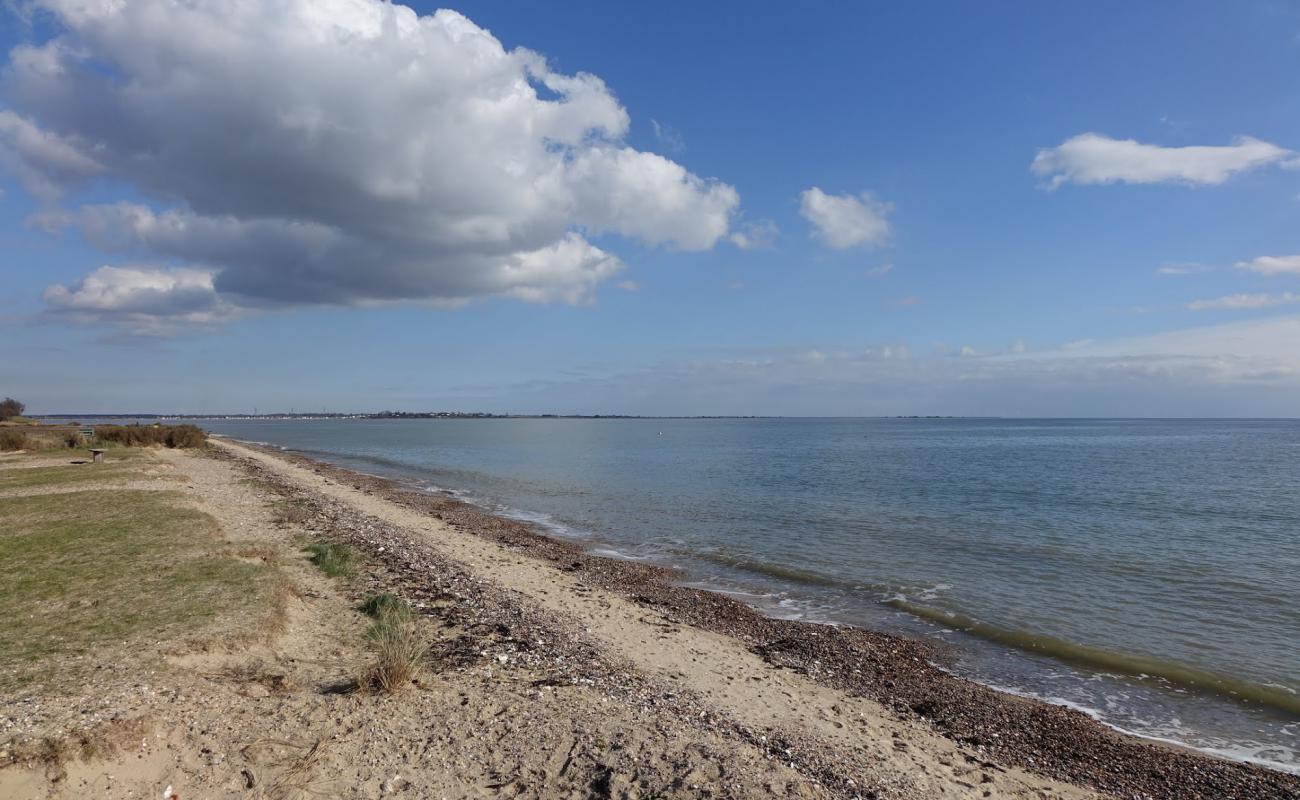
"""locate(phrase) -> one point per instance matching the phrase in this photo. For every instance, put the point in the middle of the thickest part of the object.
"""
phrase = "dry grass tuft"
(106, 740)
(11, 440)
(290, 512)
(296, 764)
(398, 648)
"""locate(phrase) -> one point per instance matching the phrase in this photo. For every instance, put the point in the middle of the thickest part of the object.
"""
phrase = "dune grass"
(396, 643)
(92, 569)
(335, 560)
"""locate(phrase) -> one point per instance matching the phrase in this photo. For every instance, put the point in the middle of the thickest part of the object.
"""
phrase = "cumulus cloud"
(1091, 158)
(141, 300)
(1272, 265)
(1240, 301)
(339, 152)
(844, 221)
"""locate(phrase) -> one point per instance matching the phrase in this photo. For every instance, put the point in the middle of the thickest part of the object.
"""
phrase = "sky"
(1009, 209)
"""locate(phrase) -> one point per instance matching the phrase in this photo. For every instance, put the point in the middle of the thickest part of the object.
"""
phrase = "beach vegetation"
(12, 440)
(397, 646)
(376, 605)
(335, 560)
(292, 512)
(152, 435)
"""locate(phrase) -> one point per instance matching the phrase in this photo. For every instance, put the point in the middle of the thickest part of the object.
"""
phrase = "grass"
(335, 560)
(397, 647)
(86, 570)
(67, 474)
(376, 605)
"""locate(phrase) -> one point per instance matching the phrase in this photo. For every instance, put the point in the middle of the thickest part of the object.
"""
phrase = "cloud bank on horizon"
(393, 157)
(1134, 376)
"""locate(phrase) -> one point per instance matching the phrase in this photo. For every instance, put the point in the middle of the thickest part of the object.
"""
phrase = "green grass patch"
(335, 560)
(377, 605)
(86, 570)
(67, 474)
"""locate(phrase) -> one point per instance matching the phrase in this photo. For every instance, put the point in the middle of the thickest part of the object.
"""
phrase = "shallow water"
(1147, 571)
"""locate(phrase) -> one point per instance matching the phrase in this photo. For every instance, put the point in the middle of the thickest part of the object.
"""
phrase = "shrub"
(10, 408)
(185, 436)
(152, 435)
(335, 560)
(73, 439)
(13, 440)
(398, 648)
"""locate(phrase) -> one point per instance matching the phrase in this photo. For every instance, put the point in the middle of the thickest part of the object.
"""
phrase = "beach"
(554, 672)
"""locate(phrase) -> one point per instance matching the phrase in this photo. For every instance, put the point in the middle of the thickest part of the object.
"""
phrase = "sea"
(1145, 572)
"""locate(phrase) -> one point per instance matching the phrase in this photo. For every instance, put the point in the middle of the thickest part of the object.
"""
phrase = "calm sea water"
(1145, 571)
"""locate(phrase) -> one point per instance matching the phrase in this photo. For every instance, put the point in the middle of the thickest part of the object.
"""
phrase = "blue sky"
(826, 210)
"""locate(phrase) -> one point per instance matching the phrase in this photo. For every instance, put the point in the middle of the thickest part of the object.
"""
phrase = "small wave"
(771, 570)
(1182, 675)
(1284, 759)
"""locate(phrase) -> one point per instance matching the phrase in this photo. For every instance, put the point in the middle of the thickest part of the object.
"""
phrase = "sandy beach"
(551, 673)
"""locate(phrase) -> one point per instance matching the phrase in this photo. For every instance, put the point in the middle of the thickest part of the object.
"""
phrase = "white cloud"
(844, 221)
(1091, 158)
(880, 271)
(392, 157)
(759, 234)
(141, 300)
(1240, 301)
(1184, 268)
(1272, 265)
(668, 137)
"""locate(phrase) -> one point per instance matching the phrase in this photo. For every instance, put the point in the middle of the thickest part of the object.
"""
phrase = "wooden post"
(97, 455)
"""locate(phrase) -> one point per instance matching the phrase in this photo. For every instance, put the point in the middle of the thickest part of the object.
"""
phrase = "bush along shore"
(16, 437)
